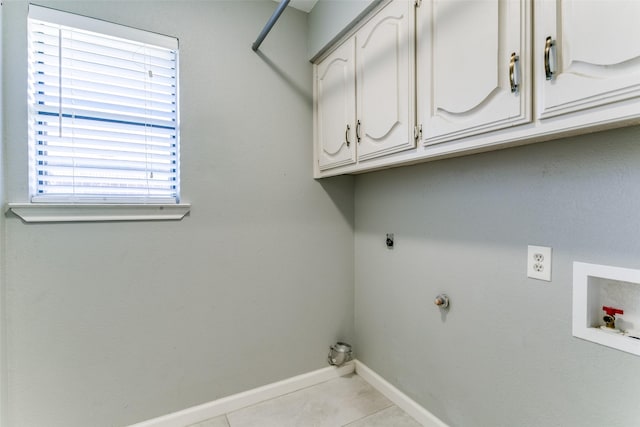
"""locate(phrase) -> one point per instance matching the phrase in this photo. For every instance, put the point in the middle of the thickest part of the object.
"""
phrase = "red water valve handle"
(612, 311)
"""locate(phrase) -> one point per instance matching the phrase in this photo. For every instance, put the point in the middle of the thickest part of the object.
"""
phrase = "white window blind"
(103, 111)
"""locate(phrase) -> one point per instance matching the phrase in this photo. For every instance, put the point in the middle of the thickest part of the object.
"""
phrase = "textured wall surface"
(114, 323)
(329, 18)
(109, 324)
(3, 322)
(503, 355)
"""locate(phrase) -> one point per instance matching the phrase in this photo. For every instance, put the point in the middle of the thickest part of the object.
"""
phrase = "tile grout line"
(286, 394)
(369, 415)
(230, 403)
(364, 373)
(391, 404)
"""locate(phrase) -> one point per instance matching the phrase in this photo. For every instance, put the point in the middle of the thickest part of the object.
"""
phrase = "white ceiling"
(304, 5)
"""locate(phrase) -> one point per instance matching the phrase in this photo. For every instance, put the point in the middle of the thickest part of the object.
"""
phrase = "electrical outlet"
(539, 263)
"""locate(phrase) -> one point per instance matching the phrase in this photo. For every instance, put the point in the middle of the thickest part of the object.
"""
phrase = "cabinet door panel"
(595, 58)
(385, 75)
(465, 77)
(464, 55)
(593, 45)
(336, 108)
(379, 84)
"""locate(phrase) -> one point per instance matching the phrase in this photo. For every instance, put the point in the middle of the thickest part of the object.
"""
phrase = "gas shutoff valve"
(610, 316)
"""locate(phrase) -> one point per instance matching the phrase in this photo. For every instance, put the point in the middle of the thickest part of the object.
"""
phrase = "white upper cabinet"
(464, 76)
(376, 117)
(473, 67)
(385, 81)
(336, 108)
(587, 53)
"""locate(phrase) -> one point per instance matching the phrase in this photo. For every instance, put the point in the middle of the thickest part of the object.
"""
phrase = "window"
(103, 112)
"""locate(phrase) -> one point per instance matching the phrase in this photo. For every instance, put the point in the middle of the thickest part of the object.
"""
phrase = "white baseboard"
(403, 401)
(234, 402)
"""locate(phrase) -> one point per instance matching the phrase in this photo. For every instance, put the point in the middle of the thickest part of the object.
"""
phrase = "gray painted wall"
(105, 327)
(3, 323)
(329, 18)
(114, 323)
(504, 354)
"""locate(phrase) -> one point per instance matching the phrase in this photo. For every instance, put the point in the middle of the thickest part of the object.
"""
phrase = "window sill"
(49, 212)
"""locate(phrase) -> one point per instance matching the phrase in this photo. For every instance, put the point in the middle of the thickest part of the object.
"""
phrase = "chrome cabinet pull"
(358, 131)
(547, 53)
(512, 72)
(346, 136)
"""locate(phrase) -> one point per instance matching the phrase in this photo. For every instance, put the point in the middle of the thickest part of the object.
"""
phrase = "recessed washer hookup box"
(598, 292)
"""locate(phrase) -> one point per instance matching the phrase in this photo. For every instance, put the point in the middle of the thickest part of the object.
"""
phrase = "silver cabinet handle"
(547, 53)
(346, 136)
(512, 72)
(358, 131)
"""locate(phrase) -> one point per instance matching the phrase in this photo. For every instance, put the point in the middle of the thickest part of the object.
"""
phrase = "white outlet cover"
(539, 262)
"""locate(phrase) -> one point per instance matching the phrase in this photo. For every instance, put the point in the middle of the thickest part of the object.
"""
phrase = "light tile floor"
(345, 401)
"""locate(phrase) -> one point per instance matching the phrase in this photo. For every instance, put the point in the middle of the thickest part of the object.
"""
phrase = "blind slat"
(95, 115)
(89, 181)
(128, 133)
(145, 159)
(82, 101)
(54, 170)
(122, 81)
(127, 90)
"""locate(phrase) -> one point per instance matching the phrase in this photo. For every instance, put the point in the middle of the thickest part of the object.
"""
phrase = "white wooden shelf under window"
(67, 212)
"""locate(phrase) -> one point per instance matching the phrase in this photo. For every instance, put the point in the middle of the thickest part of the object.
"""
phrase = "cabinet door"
(594, 53)
(336, 108)
(385, 58)
(469, 54)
